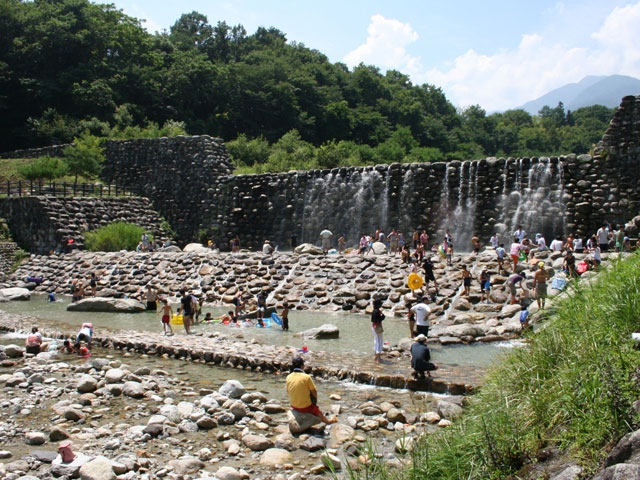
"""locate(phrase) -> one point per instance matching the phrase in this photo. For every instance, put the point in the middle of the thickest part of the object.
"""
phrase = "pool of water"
(355, 330)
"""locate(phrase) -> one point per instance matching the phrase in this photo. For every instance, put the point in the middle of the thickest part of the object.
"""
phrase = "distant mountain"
(591, 90)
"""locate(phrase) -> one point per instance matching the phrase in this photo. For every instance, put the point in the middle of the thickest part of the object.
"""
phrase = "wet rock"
(103, 304)
(187, 466)
(312, 444)
(87, 384)
(230, 473)
(13, 351)
(35, 438)
(69, 469)
(13, 294)
(257, 443)
(300, 422)
(133, 390)
(232, 389)
(326, 331)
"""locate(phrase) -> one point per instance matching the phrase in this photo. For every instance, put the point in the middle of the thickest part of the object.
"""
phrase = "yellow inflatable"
(177, 320)
(415, 281)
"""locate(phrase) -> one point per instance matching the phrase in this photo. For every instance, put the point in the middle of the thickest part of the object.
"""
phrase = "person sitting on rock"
(421, 358)
(302, 391)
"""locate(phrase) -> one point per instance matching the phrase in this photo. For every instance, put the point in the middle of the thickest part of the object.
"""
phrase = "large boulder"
(14, 293)
(196, 247)
(320, 333)
(103, 304)
(308, 249)
(300, 422)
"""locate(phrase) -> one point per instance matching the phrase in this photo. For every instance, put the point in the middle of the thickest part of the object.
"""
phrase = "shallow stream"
(356, 337)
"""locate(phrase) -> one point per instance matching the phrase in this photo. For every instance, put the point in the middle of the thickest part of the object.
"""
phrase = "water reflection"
(355, 330)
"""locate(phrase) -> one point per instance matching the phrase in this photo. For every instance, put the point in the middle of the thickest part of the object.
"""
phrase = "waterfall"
(535, 201)
(461, 219)
(346, 202)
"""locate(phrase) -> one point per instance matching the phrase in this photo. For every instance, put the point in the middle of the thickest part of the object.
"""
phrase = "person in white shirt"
(267, 249)
(603, 238)
(422, 312)
(519, 234)
(556, 245)
(494, 240)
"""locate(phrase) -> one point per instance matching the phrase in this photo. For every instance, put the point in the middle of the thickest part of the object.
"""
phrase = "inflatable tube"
(177, 320)
(441, 252)
(415, 281)
(276, 318)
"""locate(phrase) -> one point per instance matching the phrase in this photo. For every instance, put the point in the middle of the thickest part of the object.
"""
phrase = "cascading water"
(346, 203)
(535, 201)
(460, 220)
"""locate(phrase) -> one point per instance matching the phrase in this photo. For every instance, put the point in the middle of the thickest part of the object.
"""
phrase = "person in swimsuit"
(166, 313)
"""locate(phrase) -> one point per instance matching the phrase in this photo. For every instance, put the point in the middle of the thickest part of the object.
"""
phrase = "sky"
(495, 54)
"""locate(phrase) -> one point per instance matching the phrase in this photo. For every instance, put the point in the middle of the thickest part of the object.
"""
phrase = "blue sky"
(496, 54)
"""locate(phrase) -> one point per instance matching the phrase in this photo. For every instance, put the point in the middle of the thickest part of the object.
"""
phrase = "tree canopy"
(70, 68)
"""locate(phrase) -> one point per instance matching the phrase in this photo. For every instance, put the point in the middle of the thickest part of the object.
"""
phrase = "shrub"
(43, 168)
(114, 237)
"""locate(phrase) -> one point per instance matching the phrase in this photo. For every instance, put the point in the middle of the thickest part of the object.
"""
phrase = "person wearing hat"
(376, 325)
(421, 358)
(302, 391)
(485, 284)
(540, 285)
(267, 248)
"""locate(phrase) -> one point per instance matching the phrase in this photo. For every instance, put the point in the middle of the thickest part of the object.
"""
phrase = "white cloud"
(385, 45)
(510, 78)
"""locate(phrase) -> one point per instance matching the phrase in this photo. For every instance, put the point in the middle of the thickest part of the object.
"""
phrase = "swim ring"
(415, 281)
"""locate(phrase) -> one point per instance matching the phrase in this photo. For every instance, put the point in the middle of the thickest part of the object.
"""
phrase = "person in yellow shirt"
(302, 391)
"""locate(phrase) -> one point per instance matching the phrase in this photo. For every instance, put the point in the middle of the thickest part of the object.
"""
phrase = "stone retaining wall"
(44, 224)
(188, 180)
(181, 175)
(7, 257)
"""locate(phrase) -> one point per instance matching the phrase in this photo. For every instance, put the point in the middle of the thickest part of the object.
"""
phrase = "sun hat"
(421, 338)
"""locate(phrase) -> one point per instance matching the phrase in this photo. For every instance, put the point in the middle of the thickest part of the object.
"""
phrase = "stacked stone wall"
(181, 175)
(7, 257)
(44, 224)
(189, 181)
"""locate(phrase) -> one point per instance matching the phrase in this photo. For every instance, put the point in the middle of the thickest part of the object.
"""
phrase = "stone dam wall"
(190, 183)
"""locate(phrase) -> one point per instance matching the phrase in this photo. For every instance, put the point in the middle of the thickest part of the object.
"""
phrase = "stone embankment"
(305, 281)
(43, 224)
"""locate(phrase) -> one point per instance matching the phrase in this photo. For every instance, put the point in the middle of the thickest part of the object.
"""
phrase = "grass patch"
(571, 388)
(9, 168)
(114, 237)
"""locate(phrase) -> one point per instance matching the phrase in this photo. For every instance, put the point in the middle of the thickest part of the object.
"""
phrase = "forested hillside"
(70, 67)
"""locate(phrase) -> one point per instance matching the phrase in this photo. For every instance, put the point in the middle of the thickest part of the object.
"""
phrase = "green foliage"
(85, 156)
(44, 168)
(114, 237)
(572, 387)
(248, 152)
(117, 80)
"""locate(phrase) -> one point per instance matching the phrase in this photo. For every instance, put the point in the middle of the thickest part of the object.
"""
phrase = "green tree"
(85, 156)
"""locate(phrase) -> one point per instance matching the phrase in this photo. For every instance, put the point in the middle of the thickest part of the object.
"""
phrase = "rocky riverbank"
(127, 421)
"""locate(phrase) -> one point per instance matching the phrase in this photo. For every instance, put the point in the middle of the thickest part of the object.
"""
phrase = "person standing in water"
(166, 313)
